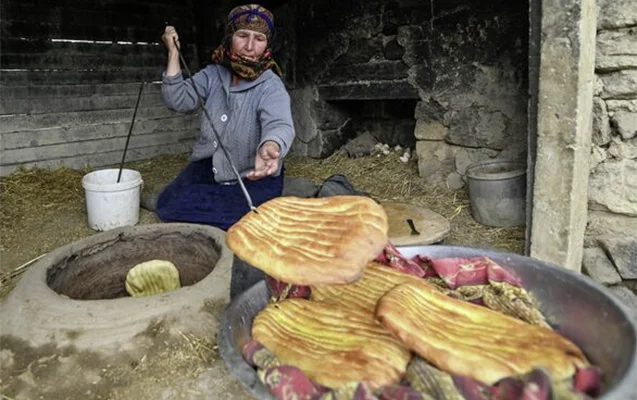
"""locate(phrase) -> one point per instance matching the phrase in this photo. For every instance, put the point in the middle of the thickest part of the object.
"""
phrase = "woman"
(250, 112)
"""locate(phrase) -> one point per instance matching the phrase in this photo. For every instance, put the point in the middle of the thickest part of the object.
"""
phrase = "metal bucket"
(575, 305)
(497, 189)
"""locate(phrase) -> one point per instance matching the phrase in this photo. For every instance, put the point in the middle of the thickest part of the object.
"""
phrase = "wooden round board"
(430, 227)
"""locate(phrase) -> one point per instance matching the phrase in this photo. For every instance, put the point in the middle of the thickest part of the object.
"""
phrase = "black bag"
(338, 185)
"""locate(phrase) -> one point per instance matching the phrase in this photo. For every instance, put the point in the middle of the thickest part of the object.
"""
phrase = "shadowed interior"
(99, 272)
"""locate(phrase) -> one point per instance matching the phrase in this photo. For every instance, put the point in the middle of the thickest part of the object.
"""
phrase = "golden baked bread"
(364, 293)
(467, 339)
(331, 344)
(311, 241)
(152, 277)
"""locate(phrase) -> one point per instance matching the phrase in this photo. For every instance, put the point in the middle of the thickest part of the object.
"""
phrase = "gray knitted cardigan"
(244, 116)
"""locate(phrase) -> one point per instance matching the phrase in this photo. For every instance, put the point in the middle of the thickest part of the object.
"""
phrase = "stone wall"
(477, 109)
(611, 235)
(463, 62)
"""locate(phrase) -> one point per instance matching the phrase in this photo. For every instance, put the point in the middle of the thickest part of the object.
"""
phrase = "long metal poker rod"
(201, 104)
(130, 130)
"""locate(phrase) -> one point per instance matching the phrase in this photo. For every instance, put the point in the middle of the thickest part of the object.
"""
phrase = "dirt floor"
(41, 211)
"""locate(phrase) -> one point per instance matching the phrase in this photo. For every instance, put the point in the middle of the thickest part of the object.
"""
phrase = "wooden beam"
(82, 77)
(16, 123)
(88, 147)
(111, 158)
(76, 133)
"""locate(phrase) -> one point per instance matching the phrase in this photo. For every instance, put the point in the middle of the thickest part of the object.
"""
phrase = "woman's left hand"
(266, 162)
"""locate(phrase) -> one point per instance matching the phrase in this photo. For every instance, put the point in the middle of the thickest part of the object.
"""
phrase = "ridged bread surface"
(306, 241)
(467, 339)
(331, 344)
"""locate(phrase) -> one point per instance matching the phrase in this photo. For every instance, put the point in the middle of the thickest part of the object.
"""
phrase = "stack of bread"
(364, 321)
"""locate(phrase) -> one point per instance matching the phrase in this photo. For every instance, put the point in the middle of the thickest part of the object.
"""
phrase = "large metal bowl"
(576, 306)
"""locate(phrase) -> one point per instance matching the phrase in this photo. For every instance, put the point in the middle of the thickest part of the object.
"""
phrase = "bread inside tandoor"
(466, 339)
(332, 344)
(308, 241)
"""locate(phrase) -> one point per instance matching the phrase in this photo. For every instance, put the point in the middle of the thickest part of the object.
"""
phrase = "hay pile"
(43, 210)
(386, 178)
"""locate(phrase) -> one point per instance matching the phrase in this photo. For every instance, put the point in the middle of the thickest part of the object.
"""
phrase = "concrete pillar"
(560, 127)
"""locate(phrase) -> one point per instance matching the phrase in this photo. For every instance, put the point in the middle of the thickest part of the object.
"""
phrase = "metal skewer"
(225, 151)
(130, 131)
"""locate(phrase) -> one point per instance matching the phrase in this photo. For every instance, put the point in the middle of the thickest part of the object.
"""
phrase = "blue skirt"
(194, 197)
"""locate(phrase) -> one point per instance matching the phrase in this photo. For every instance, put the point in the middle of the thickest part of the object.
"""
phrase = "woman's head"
(252, 17)
(246, 47)
(248, 44)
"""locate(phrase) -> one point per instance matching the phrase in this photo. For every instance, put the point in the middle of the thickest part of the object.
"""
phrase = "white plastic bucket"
(111, 204)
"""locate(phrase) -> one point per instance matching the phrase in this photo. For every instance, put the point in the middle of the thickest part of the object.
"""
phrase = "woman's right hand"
(169, 38)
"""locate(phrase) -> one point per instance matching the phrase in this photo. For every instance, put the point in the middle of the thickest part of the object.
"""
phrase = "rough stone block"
(601, 223)
(619, 85)
(438, 159)
(621, 105)
(601, 123)
(613, 187)
(467, 156)
(621, 149)
(627, 298)
(595, 263)
(423, 76)
(455, 181)
(623, 253)
(616, 13)
(630, 284)
(430, 130)
(435, 160)
(478, 127)
(616, 50)
(598, 156)
(429, 110)
(626, 124)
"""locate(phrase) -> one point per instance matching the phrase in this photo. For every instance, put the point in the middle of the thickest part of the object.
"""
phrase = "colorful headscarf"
(255, 18)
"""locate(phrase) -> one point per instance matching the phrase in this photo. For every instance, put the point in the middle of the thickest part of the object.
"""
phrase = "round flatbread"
(152, 277)
(466, 339)
(312, 241)
(331, 343)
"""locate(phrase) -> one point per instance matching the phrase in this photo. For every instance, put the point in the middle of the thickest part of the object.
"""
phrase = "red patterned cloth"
(287, 382)
(588, 381)
(417, 266)
(363, 392)
(398, 392)
(458, 272)
(280, 290)
(535, 385)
